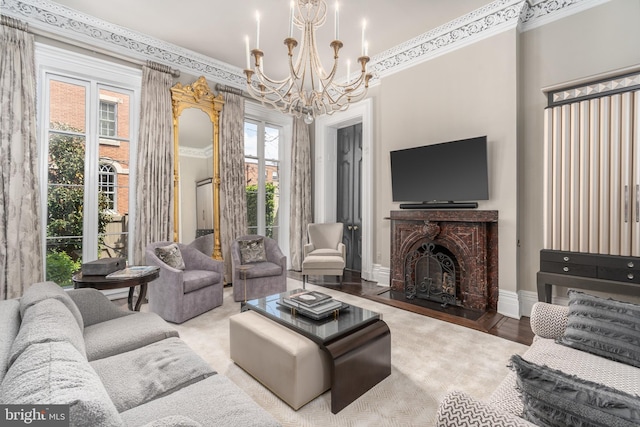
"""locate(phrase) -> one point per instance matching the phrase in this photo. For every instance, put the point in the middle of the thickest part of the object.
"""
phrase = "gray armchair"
(178, 295)
(262, 278)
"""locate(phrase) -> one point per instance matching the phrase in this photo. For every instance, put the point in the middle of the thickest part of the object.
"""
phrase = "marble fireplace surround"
(470, 235)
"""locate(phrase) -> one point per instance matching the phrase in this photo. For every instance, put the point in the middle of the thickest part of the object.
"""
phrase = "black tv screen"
(446, 172)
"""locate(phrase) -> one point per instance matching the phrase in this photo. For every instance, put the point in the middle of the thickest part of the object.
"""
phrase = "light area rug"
(429, 358)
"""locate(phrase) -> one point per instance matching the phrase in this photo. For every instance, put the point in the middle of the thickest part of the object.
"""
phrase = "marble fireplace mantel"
(470, 235)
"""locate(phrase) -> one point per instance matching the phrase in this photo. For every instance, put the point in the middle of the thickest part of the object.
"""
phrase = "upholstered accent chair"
(257, 274)
(325, 253)
(181, 294)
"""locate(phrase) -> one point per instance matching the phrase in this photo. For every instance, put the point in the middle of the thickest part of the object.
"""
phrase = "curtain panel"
(154, 183)
(21, 262)
(233, 201)
(300, 191)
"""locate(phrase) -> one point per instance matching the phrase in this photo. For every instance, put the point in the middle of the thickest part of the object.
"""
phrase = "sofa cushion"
(124, 334)
(173, 421)
(55, 373)
(47, 321)
(45, 290)
(10, 321)
(252, 250)
(139, 376)
(171, 256)
(554, 398)
(605, 327)
(215, 401)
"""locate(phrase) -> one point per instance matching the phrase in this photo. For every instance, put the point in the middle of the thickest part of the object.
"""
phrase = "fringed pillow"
(552, 398)
(604, 327)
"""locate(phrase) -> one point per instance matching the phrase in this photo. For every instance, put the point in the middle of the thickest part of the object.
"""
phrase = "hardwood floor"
(491, 323)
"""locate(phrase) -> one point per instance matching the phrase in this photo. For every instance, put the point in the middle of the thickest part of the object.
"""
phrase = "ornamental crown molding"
(49, 18)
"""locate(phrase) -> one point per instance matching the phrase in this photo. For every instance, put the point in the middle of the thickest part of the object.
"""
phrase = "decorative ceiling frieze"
(47, 17)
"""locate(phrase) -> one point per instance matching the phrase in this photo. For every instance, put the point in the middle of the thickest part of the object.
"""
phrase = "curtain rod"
(13, 23)
(225, 88)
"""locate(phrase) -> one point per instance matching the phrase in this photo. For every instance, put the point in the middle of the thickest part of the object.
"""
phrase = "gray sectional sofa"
(568, 376)
(112, 367)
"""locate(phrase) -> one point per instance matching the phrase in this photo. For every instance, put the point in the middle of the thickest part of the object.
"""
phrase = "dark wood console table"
(602, 273)
(102, 283)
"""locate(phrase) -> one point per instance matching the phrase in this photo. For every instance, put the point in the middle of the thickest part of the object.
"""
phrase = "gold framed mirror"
(196, 171)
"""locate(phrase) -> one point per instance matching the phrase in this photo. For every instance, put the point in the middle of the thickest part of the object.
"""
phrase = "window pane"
(65, 206)
(250, 139)
(68, 107)
(271, 143)
(272, 198)
(113, 197)
(65, 183)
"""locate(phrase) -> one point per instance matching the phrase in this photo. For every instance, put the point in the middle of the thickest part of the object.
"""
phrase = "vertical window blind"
(592, 168)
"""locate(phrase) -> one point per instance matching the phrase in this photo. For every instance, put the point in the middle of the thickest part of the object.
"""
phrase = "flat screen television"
(441, 175)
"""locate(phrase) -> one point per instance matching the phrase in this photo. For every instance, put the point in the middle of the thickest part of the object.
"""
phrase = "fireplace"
(446, 256)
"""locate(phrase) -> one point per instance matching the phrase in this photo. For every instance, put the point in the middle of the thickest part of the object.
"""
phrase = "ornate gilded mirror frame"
(197, 95)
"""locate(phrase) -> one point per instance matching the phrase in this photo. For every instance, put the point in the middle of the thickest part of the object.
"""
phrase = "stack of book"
(313, 304)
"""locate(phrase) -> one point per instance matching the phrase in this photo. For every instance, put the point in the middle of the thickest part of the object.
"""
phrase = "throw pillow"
(252, 250)
(605, 327)
(552, 398)
(171, 256)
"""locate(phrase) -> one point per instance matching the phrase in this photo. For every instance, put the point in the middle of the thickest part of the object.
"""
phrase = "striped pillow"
(604, 327)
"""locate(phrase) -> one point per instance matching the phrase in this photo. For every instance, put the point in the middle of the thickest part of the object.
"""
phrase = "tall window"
(262, 164)
(87, 206)
(108, 116)
(107, 184)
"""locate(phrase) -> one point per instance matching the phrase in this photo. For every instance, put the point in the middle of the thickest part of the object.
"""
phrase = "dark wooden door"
(349, 207)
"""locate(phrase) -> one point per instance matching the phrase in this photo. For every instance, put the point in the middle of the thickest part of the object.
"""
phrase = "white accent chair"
(325, 253)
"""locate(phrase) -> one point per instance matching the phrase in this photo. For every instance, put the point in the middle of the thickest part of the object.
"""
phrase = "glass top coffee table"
(357, 340)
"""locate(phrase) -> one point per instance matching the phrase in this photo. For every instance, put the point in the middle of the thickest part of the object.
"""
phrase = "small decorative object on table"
(312, 304)
(133, 271)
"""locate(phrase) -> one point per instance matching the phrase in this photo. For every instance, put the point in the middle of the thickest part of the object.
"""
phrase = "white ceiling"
(216, 28)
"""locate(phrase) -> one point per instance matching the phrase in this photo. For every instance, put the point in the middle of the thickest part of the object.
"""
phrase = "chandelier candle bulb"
(348, 70)
(336, 23)
(258, 30)
(246, 43)
(292, 5)
(364, 26)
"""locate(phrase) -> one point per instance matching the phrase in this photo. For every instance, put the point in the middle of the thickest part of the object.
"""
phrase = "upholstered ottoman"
(322, 265)
(290, 365)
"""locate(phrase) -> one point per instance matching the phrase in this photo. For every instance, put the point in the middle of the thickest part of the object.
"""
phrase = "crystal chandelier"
(309, 89)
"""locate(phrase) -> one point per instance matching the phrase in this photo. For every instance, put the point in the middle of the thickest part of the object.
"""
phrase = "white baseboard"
(380, 274)
(508, 304)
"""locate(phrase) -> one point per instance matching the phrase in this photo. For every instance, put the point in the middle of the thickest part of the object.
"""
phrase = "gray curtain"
(20, 230)
(300, 191)
(154, 183)
(233, 204)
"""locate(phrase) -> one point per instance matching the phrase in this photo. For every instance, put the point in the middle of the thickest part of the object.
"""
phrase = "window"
(267, 139)
(86, 214)
(262, 162)
(108, 114)
(107, 184)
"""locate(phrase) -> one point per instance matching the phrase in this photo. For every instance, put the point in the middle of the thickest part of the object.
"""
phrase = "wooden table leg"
(130, 298)
(360, 361)
(141, 296)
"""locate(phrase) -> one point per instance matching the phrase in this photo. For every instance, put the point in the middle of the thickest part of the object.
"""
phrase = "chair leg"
(304, 281)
